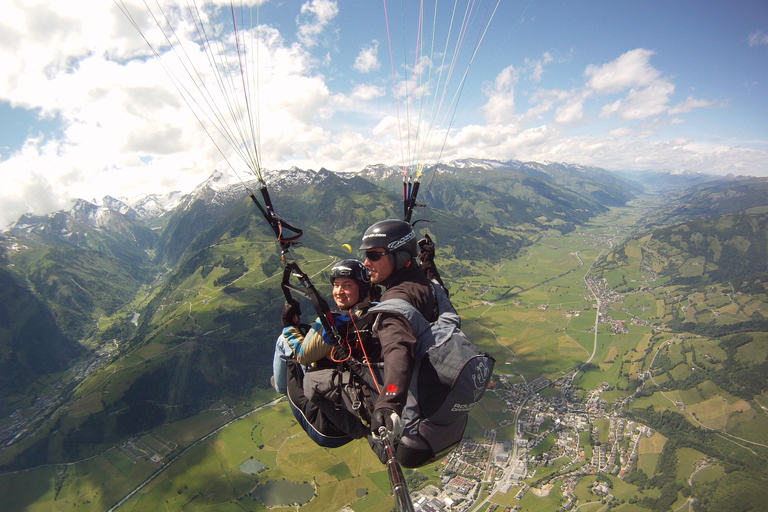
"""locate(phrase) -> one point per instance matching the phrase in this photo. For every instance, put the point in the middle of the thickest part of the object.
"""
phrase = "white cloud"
(351, 151)
(644, 94)
(315, 17)
(571, 111)
(631, 70)
(367, 92)
(544, 100)
(126, 129)
(367, 60)
(500, 107)
(538, 67)
(757, 38)
(690, 104)
(610, 109)
(646, 102)
(387, 125)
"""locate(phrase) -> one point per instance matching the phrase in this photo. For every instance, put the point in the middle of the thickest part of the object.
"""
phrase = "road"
(597, 313)
(182, 452)
(722, 433)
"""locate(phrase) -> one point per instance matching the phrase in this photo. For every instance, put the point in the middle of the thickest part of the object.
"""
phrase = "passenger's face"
(380, 268)
(346, 292)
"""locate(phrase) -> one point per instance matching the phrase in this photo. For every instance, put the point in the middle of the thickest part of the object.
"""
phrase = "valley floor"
(585, 368)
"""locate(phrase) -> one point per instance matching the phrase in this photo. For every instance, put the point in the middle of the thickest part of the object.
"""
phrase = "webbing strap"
(277, 223)
(310, 292)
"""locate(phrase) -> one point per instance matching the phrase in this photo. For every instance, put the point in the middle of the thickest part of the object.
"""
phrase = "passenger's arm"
(307, 348)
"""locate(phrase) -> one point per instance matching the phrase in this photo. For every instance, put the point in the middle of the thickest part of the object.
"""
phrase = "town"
(547, 429)
(504, 465)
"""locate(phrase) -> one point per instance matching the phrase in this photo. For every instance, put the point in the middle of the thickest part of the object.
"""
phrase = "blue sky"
(86, 110)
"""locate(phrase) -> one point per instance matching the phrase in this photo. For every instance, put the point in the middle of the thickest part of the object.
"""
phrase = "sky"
(87, 109)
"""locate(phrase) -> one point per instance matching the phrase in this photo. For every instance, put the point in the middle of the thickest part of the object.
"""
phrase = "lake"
(252, 467)
(283, 492)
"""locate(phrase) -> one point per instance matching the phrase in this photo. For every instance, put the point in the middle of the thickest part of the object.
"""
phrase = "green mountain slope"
(713, 199)
(31, 342)
(703, 371)
(599, 185)
(81, 285)
(510, 200)
(514, 195)
(213, 316)
(206, 328)
(592, 184)
(87, 226)
(727, 248)
(199, 345)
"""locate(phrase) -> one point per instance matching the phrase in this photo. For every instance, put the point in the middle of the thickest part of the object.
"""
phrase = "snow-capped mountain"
(149, 206)
(380, 172)
(482, 163)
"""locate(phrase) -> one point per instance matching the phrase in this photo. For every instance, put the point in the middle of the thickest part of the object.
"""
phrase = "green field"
(533, 313)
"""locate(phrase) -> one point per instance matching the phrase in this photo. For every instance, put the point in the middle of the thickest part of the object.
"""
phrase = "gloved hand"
(291, 313)
(386, 418)
(340, 352)
(426, 249)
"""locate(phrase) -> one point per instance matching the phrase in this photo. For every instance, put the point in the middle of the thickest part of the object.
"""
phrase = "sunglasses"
(374, 255)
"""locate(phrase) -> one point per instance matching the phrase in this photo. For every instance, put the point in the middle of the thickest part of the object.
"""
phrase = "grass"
(340, 471)
(544, 446)
(708, 474)
(649, 452)
(686, 460)
(497, 314)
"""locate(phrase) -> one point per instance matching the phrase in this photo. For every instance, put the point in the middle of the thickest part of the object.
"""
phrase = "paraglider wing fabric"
(309, 416)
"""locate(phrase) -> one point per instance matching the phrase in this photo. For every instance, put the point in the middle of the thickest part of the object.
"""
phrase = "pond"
(283, 492)
(252, 467)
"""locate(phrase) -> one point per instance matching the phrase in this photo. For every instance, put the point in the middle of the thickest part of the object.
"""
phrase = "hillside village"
(547, 429)
(505, 465)
(554, 444)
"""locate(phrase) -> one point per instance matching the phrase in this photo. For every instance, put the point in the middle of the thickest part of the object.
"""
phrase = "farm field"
(536, 314)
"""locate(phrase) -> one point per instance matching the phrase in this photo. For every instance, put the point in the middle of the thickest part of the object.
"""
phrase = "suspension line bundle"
(210, 52)
(425, 114)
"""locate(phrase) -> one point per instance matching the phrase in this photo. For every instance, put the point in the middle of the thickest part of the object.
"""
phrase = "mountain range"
(198, 274)
(81, 268)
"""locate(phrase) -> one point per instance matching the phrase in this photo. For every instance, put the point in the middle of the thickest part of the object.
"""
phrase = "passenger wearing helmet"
(305, 361)
(351, 285)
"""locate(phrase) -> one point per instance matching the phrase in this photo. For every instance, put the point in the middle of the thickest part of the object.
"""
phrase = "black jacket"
(395, 335)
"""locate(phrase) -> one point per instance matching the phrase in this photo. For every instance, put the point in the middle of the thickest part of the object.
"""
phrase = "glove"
(389, 419)
(426, 249)
(291, 313)
(340, 352)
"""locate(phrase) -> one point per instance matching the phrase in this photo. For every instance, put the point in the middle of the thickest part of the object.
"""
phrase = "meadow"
(533, 313)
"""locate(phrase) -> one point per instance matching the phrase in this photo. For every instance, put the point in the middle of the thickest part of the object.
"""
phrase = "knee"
(412, 457)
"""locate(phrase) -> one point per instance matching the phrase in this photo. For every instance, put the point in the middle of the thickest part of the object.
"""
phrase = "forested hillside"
(200, 281)
(177, 328)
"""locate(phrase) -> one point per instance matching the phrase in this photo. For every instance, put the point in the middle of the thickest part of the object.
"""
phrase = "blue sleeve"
(278, 364)
(340, 320)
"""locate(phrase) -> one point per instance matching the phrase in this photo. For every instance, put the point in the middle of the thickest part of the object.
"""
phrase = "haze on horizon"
(86, 110)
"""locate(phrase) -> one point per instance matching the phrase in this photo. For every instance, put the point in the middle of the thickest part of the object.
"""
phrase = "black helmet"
(355, 270)
(393, 235)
